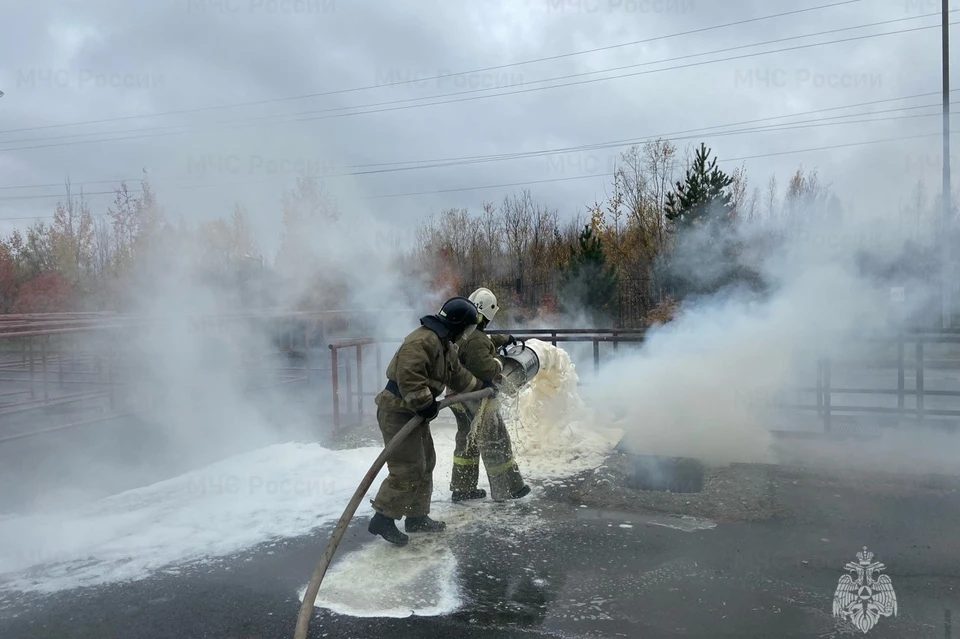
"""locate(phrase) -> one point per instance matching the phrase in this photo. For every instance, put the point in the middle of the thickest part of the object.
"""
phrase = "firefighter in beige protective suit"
(425, 363)
(481, 431)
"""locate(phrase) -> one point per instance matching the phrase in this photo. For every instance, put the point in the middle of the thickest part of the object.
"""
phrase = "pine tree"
(588, 284)
(704, 255)
(702, 196)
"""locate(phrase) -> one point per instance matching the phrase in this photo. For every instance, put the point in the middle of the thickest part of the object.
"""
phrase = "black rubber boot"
(387, 528)
(466, 495)
(423, 524)
(520, 494)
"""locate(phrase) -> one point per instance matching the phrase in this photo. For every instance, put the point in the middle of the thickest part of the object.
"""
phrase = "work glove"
(511, 340)
(429, 412)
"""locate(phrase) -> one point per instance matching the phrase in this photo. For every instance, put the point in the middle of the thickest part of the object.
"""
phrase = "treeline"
(80, 261)
(666, 230)
(607, 264)
(669, 228)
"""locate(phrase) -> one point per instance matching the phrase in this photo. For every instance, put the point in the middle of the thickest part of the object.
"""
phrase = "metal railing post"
(348, 378)
(335, 382)
(901, 375)
(33, 390)
(360, 382)
(43, 367)
(827, 414)
(919, 379)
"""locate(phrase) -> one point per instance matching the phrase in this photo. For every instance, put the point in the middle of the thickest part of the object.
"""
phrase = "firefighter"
(425, 363)
(488, 438)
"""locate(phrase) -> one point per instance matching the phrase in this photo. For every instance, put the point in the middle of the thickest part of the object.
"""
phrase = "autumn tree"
(48, 292)
(808, 201)
(308, 209)
(72, 238)
(37, 252)
(226, 245)
(310, 220)
(124, 220)
(9, 279)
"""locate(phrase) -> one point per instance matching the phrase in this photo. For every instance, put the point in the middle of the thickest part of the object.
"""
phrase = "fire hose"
(313, 587)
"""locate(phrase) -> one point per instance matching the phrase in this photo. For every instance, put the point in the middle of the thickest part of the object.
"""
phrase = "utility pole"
(946, 233)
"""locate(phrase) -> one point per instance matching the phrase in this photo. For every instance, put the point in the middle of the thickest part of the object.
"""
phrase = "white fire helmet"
(486, 302)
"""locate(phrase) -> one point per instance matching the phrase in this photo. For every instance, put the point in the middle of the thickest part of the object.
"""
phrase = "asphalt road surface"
(580, 572)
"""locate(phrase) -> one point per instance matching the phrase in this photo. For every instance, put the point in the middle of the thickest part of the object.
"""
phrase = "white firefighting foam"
(420, 579)
(207, 519)
(554, 433)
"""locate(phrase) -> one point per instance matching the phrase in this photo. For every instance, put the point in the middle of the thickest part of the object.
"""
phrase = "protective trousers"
(408, 487)
(490, 442)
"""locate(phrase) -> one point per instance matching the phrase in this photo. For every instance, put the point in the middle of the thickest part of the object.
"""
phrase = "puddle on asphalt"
(506, 583)
(501, 598)
(507, 587)
(626, 520)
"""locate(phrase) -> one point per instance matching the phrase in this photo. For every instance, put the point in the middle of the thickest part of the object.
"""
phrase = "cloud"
(98, 60)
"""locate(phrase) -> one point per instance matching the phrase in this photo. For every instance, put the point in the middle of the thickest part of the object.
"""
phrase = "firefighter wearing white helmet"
(486, 303)
(491, 440)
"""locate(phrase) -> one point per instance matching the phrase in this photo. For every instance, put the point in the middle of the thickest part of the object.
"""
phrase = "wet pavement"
(580, 572)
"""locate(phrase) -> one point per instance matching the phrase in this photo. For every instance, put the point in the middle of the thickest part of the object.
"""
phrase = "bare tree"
(772, 206)
(516, 216)
(661, 165)
(102, 250)
(738, 192)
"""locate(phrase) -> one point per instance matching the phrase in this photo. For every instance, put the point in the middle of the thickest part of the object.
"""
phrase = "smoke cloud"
(200, 377)
(706, 384)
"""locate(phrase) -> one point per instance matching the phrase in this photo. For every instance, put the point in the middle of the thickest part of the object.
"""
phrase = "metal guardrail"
(43, 357)
(614, 336)
(828, 410)
(359, 394)
(354, 365)
(826, 391)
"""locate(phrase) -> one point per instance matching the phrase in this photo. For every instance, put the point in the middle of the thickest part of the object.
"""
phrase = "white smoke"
(204, 386)
(704, 384)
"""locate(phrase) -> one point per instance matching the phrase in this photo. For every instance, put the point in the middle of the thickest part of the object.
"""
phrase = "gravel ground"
(357, 436)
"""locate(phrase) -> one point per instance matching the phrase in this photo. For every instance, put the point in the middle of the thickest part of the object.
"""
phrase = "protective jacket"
(479, 355)
(491, 441)
(416, 375)
(423, 366)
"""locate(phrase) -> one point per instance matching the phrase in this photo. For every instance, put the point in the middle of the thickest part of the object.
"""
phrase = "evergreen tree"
(702, 196)
(587, 283)
(704, 255)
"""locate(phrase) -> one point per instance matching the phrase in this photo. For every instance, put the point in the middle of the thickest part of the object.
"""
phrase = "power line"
(248, 122)
(645, 64)
(674, 135)
(438, 77)
(471, 91)
(40, 197)
(703, 129)
(58, 184)
(681, 135)
(43, 217)
(593, 175)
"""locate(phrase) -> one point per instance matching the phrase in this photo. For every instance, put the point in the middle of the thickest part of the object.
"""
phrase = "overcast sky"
(67, 63)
